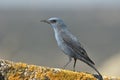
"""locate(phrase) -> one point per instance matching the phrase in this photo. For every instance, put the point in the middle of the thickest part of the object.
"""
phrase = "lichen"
(22, 71)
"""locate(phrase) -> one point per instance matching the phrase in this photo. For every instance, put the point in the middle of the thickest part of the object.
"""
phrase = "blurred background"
(96, 23)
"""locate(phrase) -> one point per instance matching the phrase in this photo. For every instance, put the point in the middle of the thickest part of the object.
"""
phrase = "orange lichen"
(22, 71)
(32, 67)
(69, 75)
(20, 65)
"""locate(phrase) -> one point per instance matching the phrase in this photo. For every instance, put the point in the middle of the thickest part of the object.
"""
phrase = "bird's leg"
(74, 64)
(70, 59)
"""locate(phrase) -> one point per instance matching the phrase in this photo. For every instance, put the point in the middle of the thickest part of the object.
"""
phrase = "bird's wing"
(75, 45)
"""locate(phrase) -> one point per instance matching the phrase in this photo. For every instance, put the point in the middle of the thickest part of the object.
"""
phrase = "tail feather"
(90, 61)
(92, 66)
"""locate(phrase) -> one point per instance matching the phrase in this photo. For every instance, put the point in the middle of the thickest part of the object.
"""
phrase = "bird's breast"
(59, 39)
(63, 46)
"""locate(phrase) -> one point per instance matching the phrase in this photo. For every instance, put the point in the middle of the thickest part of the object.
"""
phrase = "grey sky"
(57, 3)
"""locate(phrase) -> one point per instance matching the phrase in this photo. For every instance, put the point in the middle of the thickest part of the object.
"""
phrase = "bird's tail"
(91, 65)
(100, 76)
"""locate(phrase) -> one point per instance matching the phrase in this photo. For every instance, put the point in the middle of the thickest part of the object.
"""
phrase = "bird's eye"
(53, 21)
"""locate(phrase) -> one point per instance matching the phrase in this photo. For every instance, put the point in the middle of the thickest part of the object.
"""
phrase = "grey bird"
(69, 44)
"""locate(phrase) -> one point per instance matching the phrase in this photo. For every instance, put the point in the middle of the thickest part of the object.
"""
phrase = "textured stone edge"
(21, 71)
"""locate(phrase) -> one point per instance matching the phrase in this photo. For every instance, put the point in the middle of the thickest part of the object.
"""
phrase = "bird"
(69, 44)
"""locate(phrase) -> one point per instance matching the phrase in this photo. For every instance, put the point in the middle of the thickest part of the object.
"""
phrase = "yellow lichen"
(32, 68)
(69, 75)
(22, 71)
(20, 65)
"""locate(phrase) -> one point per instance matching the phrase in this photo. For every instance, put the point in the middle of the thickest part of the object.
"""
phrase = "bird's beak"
(45, 21)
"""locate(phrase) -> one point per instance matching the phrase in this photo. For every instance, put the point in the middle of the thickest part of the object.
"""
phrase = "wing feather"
(75, 45)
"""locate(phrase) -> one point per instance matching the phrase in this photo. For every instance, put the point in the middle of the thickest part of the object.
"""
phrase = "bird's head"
(54, 21)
